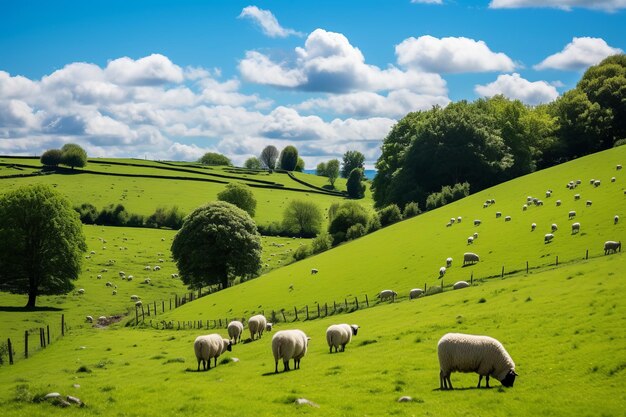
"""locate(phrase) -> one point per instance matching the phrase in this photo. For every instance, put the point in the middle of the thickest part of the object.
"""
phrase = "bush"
(303, 218)
(619, 142)
(301, 253)
(347, 215)
(374, 223)
(355, 232)
(447, 195)
(252, 163)
(163, 217)
(288, 159)
(321, 243)
(88, 213)
(73, 155)
(239, 195)
(354, 185)
(411, 210)
(213, 158)
(390, 215)
(51, 157)
(113, 215)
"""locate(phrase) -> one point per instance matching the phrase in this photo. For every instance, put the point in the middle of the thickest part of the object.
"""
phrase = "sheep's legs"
(480, 378)
(444, 381)
(286, 364)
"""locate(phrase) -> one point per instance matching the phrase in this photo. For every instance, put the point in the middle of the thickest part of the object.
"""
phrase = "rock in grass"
(304, 401)
(405, 399)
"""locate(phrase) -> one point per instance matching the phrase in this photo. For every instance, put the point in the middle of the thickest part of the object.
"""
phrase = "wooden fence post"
(557, 260)
(220, 323)
(148, 310)
(155, 309)
(345, 301)
(472, 278)
(48, 330)
(26, 344)
(587, 254)
(163, 305)
(143, 314)
(318, 310)
(62, 325)
(334, 307)
(307, 311)
(41, 341)
(526, 266)
(170, 304)
(283, 313)
(10, 351)
(136, 315)
(325, 309)
(295, 310)
(502, 273)
(367, 302)
(356, 302)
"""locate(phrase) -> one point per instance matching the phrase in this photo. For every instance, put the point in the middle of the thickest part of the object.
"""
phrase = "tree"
(355, 186)
(252, 163)
(73, 155)
(51, 157)
(214, 158)
(332, 171)
(412, 209)
(218, 241)
(320, 170)
(321, 242)
(41, 242)
(351, 160)
(239, 195)
(268, 157)
(289, 158)
(390, 215)
(300, 165)
(303, 218)
(356, 231)
(348, 214)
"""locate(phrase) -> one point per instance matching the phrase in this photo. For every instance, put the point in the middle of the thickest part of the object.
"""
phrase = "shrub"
(88, 213)
(112, 215)
(321, 243)
(447, 195)
(252, 163)
(301, 253)
(303, 218)
(355, 232)
(619, 142)
(348, 214)
(73, 155)
(411, 210)
(300, 165)
(51, 157)
(239, 195)
(213, 158)
(354, 185)
(390, 215)
(374, 223)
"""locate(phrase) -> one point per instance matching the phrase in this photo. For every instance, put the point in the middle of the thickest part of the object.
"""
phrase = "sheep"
(576, 196)
(235, 329)
(99, 276)
(130, 278)
(452, 220)
(442, 272)
(314, 271)
(507, 219)
(492, 201)
(591, 181)
(139, 303)
(89, 319)
(618, 167)
(157, 268)
(460, 284)
(122, 273)
(109, 284)
(524, 207)
(548, 193)
(485, 205)
(571, 215)
(578, 182)
(102, 319)
(554, 227)
(448, 262)
(588, 203)
(268, 327)
(529, 199)
(257, 324)
(340, 335)
(134, 297)
(470, 353)
(498, 214)
(448, 224)
(616, 219)
(539, 203)
(93, 252)
(612, 246)
(612, 179)
(470, 240)
(575, 228)
(477, 222)
(146, 281)
(387, 294)
(470, 258)
(114, 292)
(81, 291)
(596, 183)
(533, 226)
(548, 238)
(458, 219)
(287, 345)
(475, 235)
(415, 292)
(558, 203)
(147, 268)
(210, 347)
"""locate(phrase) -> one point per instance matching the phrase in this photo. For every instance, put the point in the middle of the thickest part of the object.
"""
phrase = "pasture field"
(409, 254)
(563, 328)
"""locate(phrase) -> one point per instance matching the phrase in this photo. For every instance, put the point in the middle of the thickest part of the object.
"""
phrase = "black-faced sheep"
(558, 203)
(442, 271)
(339, 335)
(588, 203)
(610, 246)
(415, 292)
(287, 345)
(575, 227)
(448, 262)
(387, 294)
(533, 226)
(548, 238)
(469, 353)
(470, 258)
(554, 227)
(477, 222)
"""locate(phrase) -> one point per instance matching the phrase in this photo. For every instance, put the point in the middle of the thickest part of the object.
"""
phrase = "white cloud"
(427, 1)
(580, 53)
(515, 87)
(267, 22)
(451, 55)
(329, 63)
(155, 69)
(606, 5)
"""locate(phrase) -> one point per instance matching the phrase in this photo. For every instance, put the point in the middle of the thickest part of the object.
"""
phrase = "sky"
(172, 80)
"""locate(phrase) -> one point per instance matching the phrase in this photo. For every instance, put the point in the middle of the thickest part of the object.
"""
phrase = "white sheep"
(548, 237)
(387, 294)
(575, 227)
(130, 277)
(554, 227)
(442, 271)
(122, 273)
(81, 291)
(470, 258)
(138, 303)
(498, 214)
(558, 203)
(287, 345)
(524, 207)
(340, 335)
(548, 193)
(157, 268)
(452, 220)
(448, 224)
(99, 276)
(134, 297)
(591, 181)
(616, 219)
(533, 226)
(458, 219)
(210, 347)
(147, 268)
(596, 183)
(109, 284)
(448, 262)
(477, 222)
(89, 319)
(235, 329)
(314, 271)
(114, 292)
(257, 324)
(146, 281)
(618, 167)
(507, 219)
(415, 292)
(460, 284)
(571, 215)
(612, 179)
(588, 203)
(578, 182)
(470, 353)
(576, 196)
(612, 246)
(470, 240)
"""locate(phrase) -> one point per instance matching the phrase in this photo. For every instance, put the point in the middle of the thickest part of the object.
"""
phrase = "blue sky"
(174, 79)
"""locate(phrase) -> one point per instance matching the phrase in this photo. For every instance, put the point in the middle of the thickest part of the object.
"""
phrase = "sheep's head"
(355, 329)
(268, 327)
(229, 346)
(509, 379)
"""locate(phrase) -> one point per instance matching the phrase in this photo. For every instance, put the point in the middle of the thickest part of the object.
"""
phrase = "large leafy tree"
(300, 165)
(239, 195)
(41, 242)
(73, 155)
(214, 158)
(332, 171)
(351, 160)
(354, 185)
(344, 217)
(51, 157)
(217, 242)
(303, 218)
(268, 157)
(252, 163)
(289, 158)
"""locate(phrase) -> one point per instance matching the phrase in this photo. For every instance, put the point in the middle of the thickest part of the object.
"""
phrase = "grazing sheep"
(99, 276)
(470, 240)
(130, 278)
(533, 226)
(134, 297)
(507, 219)
(458, 219)
(470, 258)
(529, 199)
(539, 203)
(475, 235)
(146, 281)
(452, 220)
(81, 291)
(460, 284)
(576, 196)
(448, 224)
(109, 284)
(591, 181)
(89, 319)
(548, 194)
(612, 179)
(448, 262)
(287, 345)
(157, 268)
(122, 273)
(618, 167)
(558, 203)
(387, 294)
(548, 238)
(235, 329)
(340, 335)
(588, 203)
(314, 271)
(210, 347)
(147, 268)
(102, 319)
(477, 222)
(485, 205)
(257, 324)
(114, 292)
(596, 183)
(571, 215)
(554, 227)
(612, 246)
(498, 214)
(575, 227)
(492, 201)
(442, 272)
(138, 303)
(470, 353)
(578, 182)
(415, 292)
(524, 207)
(616, 219)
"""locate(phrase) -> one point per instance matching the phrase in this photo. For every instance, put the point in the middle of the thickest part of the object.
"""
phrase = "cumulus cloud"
(451, 55)
(155, 69)
(606, 5)
(515, 87)
(267, 22)
(579, 54)
(329, 63)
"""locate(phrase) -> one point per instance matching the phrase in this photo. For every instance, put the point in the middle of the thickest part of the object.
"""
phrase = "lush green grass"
(563, 328)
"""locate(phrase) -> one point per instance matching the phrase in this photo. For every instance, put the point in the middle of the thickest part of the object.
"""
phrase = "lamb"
(575, 227)
(498, 214)
(588, 203)
(470, 240)
(616, 219)
(210, 347)
(533, 226)
(287, 345)
(415, 292)
(554, 227)
(448, 262)
(470, 258)
(470, 353)
(340, 335)
(612, 246)
(477, 222)
(507, 219)
(257, 324)
(460, 284)
(235, 329)
(571, 215)
(548, 237)
(387, 294)
(442, 272)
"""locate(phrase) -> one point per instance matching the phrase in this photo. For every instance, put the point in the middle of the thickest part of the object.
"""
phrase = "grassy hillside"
(409, 254)
(563, 328)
